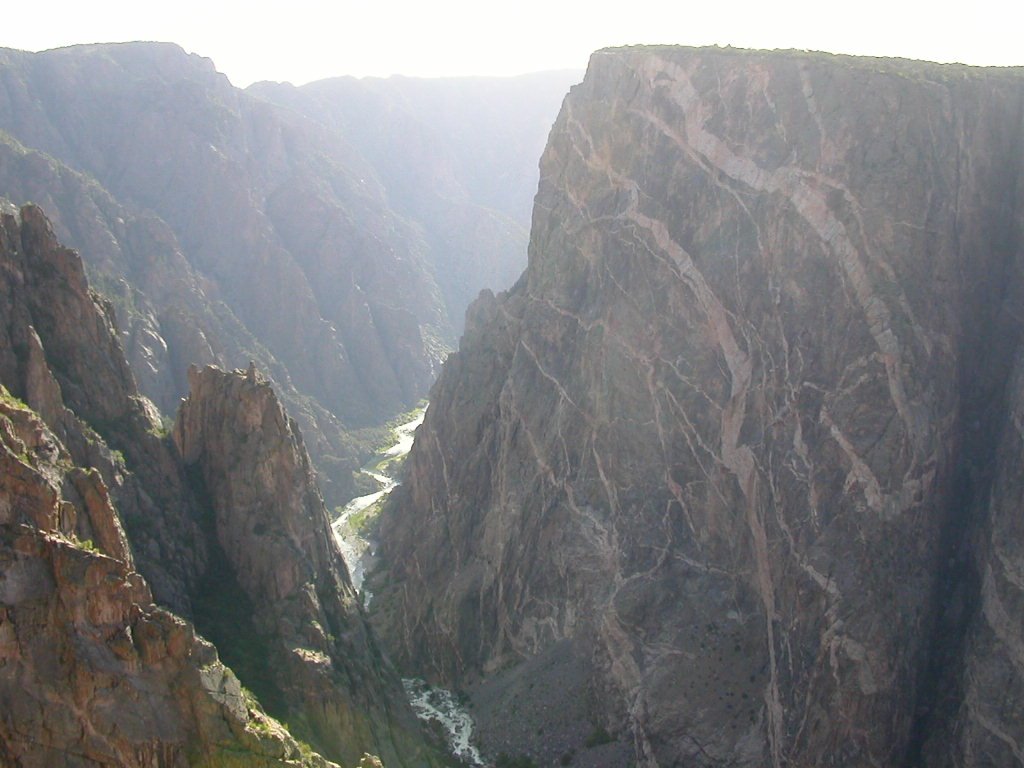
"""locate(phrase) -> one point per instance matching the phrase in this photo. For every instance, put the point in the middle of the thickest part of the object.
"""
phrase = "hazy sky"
(303, 40)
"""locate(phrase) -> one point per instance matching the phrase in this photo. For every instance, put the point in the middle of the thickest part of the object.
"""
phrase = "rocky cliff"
(92, 672)
(244, 207)
(97, 503)
(731, 473)
(308, 648)
(60, 354)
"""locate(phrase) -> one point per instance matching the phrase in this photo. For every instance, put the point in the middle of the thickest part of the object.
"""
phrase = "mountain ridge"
(232, 205)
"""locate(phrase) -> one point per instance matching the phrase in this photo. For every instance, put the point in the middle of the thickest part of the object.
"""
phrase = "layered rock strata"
(725, 454)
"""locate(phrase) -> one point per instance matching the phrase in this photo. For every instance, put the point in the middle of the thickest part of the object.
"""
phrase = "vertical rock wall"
(716, 437)
(92, 672)
(313, 659)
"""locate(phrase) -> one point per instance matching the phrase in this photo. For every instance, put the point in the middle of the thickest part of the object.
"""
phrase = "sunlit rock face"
(92, 671)
(730, 439)
(107, 525)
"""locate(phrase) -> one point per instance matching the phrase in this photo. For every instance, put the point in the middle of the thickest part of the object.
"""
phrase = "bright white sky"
(303, 40)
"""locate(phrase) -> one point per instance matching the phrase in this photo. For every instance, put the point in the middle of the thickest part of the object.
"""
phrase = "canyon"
(93, 671)
(731, 475)
(337, 254)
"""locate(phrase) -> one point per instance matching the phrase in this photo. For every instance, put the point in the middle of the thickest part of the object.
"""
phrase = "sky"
(301, 40)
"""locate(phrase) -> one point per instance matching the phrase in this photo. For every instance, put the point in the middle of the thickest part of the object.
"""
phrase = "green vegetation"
(364, 485)
(10, 400)
(383, 437)
(85, 545)
(361, 520)
(163, 429)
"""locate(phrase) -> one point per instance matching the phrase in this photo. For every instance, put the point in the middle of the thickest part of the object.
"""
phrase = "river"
(429, 703)
(356, 548)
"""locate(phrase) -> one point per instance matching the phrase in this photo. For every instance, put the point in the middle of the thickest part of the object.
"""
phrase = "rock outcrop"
(92, 672)
(317, 666)
(92, 669)
(737, 459)
(170, 317)
(60, 354)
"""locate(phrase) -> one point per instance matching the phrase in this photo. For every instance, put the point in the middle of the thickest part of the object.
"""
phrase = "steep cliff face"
(60, 354)
(92, 672)
(314, 662)
(196, 206)
(266, 209)
(90, 668)
(714, 456)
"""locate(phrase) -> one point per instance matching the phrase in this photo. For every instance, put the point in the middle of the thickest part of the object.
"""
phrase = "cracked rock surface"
(743, 436)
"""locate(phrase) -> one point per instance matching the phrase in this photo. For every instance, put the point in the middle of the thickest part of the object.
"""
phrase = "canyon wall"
(734, 459)
(92, 671)
(281, 604)
(124, 553)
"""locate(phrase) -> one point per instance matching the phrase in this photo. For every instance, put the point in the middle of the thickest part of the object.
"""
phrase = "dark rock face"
(324, 672)
(92, 672)
(733, 436)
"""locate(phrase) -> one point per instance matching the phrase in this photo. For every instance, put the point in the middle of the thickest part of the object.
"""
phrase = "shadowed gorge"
(733, 458)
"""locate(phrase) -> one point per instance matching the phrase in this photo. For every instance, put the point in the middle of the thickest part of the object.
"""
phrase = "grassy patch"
(8, 399)
(361, 520)
(85, 545)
